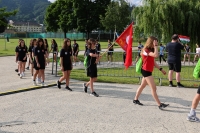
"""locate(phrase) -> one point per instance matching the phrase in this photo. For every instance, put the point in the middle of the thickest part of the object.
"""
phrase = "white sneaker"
(74, 64)
(34, 83)
(42, 84)
(23, 74)
(193, 118)
(108, 62)
(20, 75)
(39, 81)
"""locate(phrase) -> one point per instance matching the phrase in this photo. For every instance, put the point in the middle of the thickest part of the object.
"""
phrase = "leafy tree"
(3, 16)
(88, 14)
(60, 15)
(162, 18)
(118, 14)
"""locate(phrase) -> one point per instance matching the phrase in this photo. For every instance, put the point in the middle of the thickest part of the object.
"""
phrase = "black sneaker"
(137, 102)
(180, 86)
(94, 94)
(68, 88)
(58, 84)
(18, 74)
(85, 87)
(171, 85)
(16, 70)
(162, 106)
(27, 68)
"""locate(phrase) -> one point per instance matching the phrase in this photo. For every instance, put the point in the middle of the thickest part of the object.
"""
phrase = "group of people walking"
(38, 57)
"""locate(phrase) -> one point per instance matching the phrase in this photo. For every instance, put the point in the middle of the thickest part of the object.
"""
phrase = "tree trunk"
(65, 34)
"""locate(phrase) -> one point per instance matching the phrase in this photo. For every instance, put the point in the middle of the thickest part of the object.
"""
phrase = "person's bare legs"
(170, 75)
(63, 77)
(151, 83)
(67, 78)
(192, 114)
(178, 77)
(140, 89)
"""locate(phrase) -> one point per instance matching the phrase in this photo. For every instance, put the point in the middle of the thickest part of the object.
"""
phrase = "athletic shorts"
(92, 71)
(22, 60)
(42, 65)
(67, 67)
(110, 53)
(175, 66)
(146, 73)
(198, 91)
(75, 54)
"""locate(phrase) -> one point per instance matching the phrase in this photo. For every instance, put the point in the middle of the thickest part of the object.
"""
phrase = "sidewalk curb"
(27, 89)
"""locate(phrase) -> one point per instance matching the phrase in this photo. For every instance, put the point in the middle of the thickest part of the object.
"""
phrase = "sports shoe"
(34, 83)
(20, 76)
(108, 62)
(162, 106)
(94, 94)
(16, 70)
(74, 64)
(137, 102)
(68, 88)
(180, 86)
(23, 74)
(27, 68)
(193, 118)
(39, 81)
(171, 85)
(43, 84)
(58, 84)
(85, 87)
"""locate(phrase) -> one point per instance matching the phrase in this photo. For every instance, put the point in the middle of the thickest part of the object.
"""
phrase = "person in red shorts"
(149, 53)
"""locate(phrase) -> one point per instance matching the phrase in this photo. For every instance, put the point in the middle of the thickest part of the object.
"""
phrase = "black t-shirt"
(187, 48)
(40, 53)
(30, 49)
(98, 47)
(54, 47)
(110, 48)
(66, 56)
(75, 47)
(91, 60)
(174, 52)
(22, 51)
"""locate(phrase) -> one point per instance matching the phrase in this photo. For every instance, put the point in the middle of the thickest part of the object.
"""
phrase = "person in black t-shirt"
(75, 50)
(39, 61)
(21, 57)
(93, 59)
(86, 46)
(187, 53)
(66, 63)
(54, 48)
(174, 59)
(30, 51)
(98, 48)
(110, 52)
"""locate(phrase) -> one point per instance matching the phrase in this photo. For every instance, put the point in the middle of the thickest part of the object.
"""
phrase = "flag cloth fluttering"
(184, 39)
(125, 40)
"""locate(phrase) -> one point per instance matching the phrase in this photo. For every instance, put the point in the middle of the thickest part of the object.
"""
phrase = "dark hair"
(54, 41)
(65, 46)
(46, 42)
(32, 42)
(38, 43)
(139, 42)
(20, 43)
(75, 40)
(175, 37)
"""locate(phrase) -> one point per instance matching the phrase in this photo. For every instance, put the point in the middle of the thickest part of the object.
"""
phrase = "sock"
(192, 112)
(178, 83)
(170, 82)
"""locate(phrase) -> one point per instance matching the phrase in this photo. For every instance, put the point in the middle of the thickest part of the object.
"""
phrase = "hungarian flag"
(184, 39)
(125, 40)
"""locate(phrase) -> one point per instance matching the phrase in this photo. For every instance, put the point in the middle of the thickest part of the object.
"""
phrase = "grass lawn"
(8, 48)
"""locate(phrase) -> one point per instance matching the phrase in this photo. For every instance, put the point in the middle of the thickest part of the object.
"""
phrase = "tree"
(3, 16)
(118, 14)
(88, 14)
(60, 15)
(163, 18)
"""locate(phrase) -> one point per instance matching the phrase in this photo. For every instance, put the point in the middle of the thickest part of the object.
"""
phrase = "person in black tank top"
(65, 63)
(187, 53)
(54, 49)
(93, 59)
(30, 51)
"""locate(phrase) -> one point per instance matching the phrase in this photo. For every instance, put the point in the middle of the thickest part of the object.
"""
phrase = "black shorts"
(175, 66)
(75, 54)
(67, 67)
(92, 71)
(146, 73)
(198, 91)
(22, 60)
(110, 53)
(42, 65)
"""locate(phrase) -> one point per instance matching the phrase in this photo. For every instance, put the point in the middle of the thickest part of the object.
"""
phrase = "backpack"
(85, 62)
(196, 72)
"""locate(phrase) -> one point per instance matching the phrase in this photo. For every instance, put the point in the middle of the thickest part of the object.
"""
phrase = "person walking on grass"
(162, 50)
(98, 48)
(149, 53)
(192, 114)
(75, 50)
(110, 52)
(21, 57)
(66, 63)
(93, 59)
(39, 61)
(174, 60)
(197, 53)
(187, 53)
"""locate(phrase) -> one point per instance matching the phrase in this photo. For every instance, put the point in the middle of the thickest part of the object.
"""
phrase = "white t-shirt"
(198, 50)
